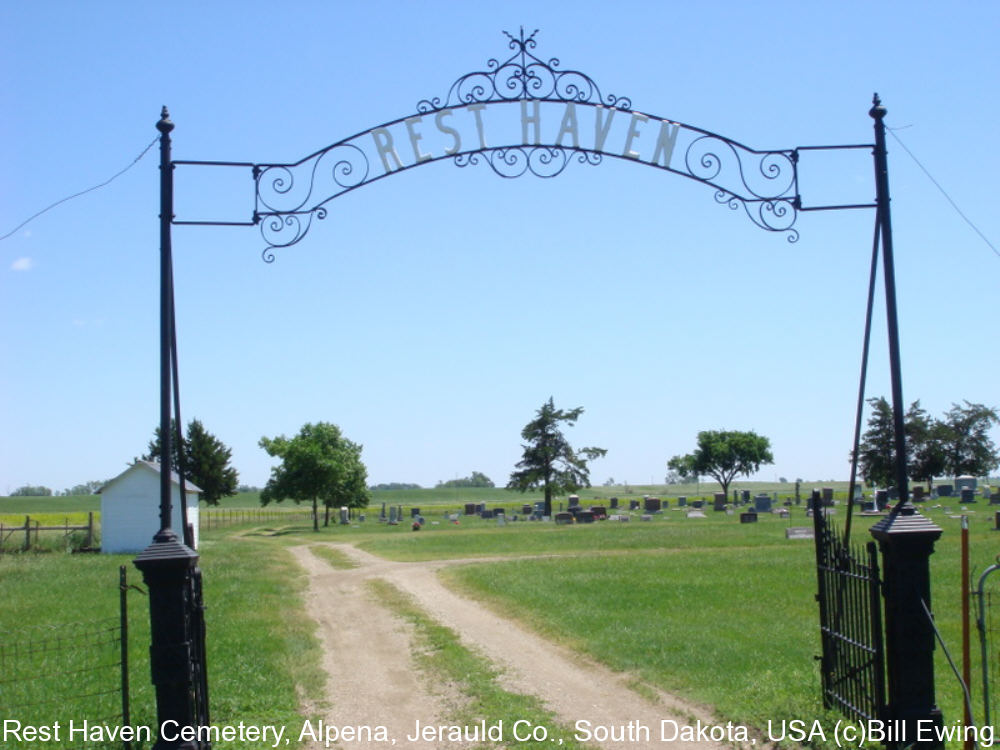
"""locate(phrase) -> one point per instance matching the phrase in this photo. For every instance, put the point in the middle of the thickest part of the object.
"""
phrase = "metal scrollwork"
(515, 161)
(523, 76)
(290, 196)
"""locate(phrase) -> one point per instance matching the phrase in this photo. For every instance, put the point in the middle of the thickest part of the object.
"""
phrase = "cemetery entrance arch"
(523, 115)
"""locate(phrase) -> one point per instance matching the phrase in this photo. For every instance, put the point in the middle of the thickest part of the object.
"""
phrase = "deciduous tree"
(724, 455)
(318, 464)
(549, 461)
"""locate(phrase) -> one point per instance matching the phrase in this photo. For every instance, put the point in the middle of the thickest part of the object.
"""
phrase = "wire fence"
(66, 677)
(214, 519)
(988, 625)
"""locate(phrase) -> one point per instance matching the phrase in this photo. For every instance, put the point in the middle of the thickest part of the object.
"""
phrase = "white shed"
(130, 508)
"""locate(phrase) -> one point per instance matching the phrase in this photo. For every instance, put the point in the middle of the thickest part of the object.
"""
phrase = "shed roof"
(155, 467)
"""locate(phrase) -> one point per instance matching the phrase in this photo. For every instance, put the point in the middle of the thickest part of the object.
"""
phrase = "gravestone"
(633, 505)
(563, 518)
(526, 510)
(486, 514)
(585, 516)
(414, 512)
(499, 512)
(995, 498)
(762, 503)
(918, 493)
(965, 482)
(750, 517)
(698, 503)
(944, 490)
(471, 509)
(344, 518)
(881, 499)
(828, 496)
(745, 496)
(695, 514)
(599, 511)
(720, 501)
(783, 512)
(799, 532)
(392, 516)
(381, 515)
(614, 503)
(574, 501)
(682, 501)
(651, 504)
(646, 517)
(968, 495)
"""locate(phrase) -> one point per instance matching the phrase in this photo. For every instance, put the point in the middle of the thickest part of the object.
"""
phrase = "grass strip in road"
(333, 557)
(441, 654)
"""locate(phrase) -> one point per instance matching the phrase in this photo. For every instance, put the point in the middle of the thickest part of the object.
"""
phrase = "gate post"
(906, 540)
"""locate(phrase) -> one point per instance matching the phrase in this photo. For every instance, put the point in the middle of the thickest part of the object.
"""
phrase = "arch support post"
(168, 565)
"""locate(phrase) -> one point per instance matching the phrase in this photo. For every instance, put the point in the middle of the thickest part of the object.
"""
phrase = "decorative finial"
(164, 125)
(877, 111)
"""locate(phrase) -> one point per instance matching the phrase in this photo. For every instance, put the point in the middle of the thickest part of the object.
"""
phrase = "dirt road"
(372, 681)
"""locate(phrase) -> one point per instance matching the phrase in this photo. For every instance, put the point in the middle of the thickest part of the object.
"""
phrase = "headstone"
(651, 504)
(783, 512)
(614, 503)
(526, 510)
(762, 503)
(799, 532)
(745, 495)
(968, 495)
(471, 509)
(393, 520)
(695, 514)
(918, 493)
(414, 512)
(361, 518)
(498, 512)
(480, 508)
(585, 516)
(698, 503)
(344, 517)
(995, 498)
(574, 501)
(381, 516)
(944, 490)
(965, 482)
(720, 501)
(486, 514)
(501, 521)
(828, 496)
(599, 511)
(748, 517)
(633, 505)
(682, 501)
(563, 518)
(646, 517)
(881, 499)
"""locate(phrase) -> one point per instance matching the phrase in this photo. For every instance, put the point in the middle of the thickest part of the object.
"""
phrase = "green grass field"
(719, 612)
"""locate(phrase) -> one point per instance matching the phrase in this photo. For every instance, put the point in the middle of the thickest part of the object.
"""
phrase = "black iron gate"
(850, 614)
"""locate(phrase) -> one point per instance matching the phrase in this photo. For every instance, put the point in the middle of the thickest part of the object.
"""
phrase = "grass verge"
(441, 655)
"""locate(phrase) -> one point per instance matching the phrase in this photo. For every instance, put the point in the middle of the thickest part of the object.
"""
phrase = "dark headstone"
(599, 511)
(698, 503)
(585, 516)
(682, 501)
(564, 518)
(414, 512)
(652, 504)
(828, 496)
(762, 503)
(719, 502)
(526, 510)
(614, 503)
(748, 518)
(471, 509)
(574, 501)
(918, 493)
(968, 495)
(745, 495)
(881, 499)
(633, 505)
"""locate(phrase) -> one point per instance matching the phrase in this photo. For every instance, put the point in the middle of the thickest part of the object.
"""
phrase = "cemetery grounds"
(695, 619)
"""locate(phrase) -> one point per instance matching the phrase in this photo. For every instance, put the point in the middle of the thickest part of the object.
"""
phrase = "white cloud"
(22, 264)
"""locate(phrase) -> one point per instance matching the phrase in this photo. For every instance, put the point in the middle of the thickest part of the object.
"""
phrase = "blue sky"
(431, 313)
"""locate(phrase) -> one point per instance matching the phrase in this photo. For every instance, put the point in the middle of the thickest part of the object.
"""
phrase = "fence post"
(90, 529)
(27, 533)
(123, 624)
(906, 540)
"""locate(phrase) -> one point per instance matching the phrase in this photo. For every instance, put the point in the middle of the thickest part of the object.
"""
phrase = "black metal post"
(906, 539)
(884, 221)
(167, 564)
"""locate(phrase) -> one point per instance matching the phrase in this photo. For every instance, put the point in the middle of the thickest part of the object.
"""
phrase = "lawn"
(719, 612)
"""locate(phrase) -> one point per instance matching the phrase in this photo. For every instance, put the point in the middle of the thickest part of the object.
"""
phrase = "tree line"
(956, 444)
